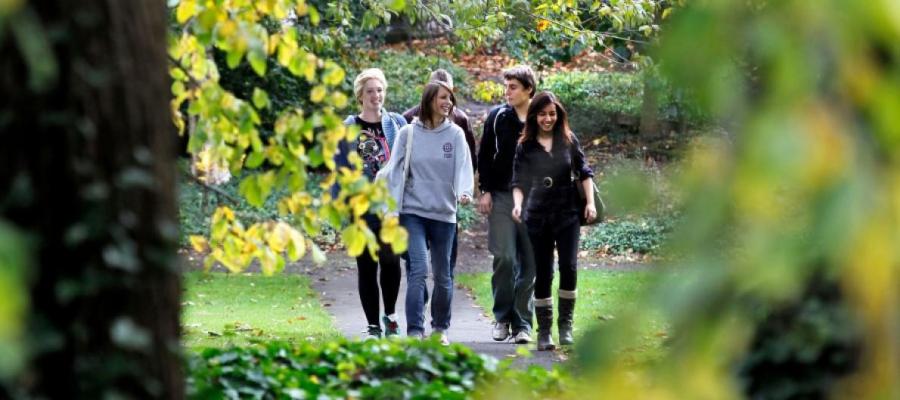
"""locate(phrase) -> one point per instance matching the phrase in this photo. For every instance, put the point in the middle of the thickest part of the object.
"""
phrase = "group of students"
(528, 163)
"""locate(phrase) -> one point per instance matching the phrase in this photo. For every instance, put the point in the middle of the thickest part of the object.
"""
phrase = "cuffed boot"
(566, 315)
(543, 308)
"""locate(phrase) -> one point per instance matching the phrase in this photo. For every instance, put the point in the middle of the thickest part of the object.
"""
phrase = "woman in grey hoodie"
(427, 188)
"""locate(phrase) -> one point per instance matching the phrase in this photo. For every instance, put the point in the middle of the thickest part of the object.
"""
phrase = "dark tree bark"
(87, 171)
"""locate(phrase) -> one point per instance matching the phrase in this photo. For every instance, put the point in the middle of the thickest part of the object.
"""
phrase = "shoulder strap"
(409, 142)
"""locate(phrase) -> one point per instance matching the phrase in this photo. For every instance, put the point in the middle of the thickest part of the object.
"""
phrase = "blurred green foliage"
(787, 245)
(373, 369)
(14, 307)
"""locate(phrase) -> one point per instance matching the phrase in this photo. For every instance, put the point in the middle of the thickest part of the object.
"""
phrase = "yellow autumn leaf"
(318, 94)
(354, 239)
(278, 238)
(360, 205)
(301, 8)
(296, 246)
(186, 9)
(199, 243)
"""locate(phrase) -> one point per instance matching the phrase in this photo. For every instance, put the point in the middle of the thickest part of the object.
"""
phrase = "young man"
(513, 278)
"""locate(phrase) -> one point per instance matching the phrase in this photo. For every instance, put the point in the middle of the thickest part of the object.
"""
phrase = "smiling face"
(441, 105)
(546, 118)
(516, 93)
(372, 96)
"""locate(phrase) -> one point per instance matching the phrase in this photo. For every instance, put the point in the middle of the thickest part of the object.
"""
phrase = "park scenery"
(198, 199)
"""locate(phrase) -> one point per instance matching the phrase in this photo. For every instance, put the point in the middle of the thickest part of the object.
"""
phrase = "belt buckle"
(548, 182)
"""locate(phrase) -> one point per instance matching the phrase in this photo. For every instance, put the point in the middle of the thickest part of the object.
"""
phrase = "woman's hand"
(517, 214)
(465, 199)
(590, 212)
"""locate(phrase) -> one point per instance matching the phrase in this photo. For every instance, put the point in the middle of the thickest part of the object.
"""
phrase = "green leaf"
(249, 188)
(314, 17)
(34, 46)
(255, 159)
(398, 5)
(234, 58)
(260, 98)
(257, 60)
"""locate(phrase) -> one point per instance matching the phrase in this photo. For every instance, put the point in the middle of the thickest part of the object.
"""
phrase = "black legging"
(565, 240)
(368, 277)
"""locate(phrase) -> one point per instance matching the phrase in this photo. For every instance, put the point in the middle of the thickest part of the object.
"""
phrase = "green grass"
(225, 309)
(602, 297)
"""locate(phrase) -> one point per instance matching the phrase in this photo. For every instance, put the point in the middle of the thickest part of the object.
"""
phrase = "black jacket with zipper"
(501, 133)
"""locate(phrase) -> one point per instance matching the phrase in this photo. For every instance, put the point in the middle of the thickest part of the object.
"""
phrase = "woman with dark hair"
(428, 187)
(378, 128)
(547, 156)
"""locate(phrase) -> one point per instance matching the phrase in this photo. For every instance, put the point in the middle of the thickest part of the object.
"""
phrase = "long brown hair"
(560, 128)
(428, 94)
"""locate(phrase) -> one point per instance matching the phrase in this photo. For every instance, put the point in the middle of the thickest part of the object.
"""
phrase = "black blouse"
(546, 179)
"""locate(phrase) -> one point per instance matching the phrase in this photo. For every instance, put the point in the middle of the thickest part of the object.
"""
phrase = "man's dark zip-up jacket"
(497, 149)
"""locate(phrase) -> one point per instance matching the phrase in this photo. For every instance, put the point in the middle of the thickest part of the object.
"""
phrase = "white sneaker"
(522, 337)
(442, 337)
(500, 331)
(372, 332)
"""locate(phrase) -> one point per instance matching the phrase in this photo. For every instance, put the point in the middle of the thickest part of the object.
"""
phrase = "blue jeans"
(440, 235)
(512, 282)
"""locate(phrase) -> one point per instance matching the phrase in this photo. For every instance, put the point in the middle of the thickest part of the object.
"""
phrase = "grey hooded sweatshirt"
(440, 170)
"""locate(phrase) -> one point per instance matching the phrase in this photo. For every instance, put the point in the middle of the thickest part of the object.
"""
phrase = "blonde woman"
(378, 128)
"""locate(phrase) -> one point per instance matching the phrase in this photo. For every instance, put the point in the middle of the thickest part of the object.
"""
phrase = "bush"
(407, 74)
(489, 92)
(612, 101)
(642, 235)
(387, 369)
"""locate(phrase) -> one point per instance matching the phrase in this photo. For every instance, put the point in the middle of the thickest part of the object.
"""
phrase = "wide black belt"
(549, 182)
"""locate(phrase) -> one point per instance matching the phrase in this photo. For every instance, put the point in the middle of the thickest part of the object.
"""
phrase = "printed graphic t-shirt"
(372, 146)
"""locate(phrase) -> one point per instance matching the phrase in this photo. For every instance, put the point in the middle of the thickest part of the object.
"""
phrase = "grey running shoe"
(500, 331)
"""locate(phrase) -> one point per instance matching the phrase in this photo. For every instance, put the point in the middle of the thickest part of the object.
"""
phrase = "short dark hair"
(524, 75)
(428, 94)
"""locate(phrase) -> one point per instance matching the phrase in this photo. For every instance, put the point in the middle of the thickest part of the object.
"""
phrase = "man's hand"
(485, 204)
(517, 214)
(465, 199)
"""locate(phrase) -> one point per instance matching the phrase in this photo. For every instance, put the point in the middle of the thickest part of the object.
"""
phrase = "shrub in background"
(612, 101)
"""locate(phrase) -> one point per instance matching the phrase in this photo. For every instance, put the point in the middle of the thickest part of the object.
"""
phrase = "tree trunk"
(87, 171)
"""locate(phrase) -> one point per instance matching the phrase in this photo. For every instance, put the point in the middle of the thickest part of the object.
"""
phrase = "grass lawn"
(225, 309)
(602, 296)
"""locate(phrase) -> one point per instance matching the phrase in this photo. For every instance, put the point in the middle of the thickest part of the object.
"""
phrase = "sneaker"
(500, 331)
(522, 337)
(416, 335)
(442, 337)
(391, 327)
(373, 332)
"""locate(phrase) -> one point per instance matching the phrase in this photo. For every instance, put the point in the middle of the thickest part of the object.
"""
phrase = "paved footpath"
(469, 325)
